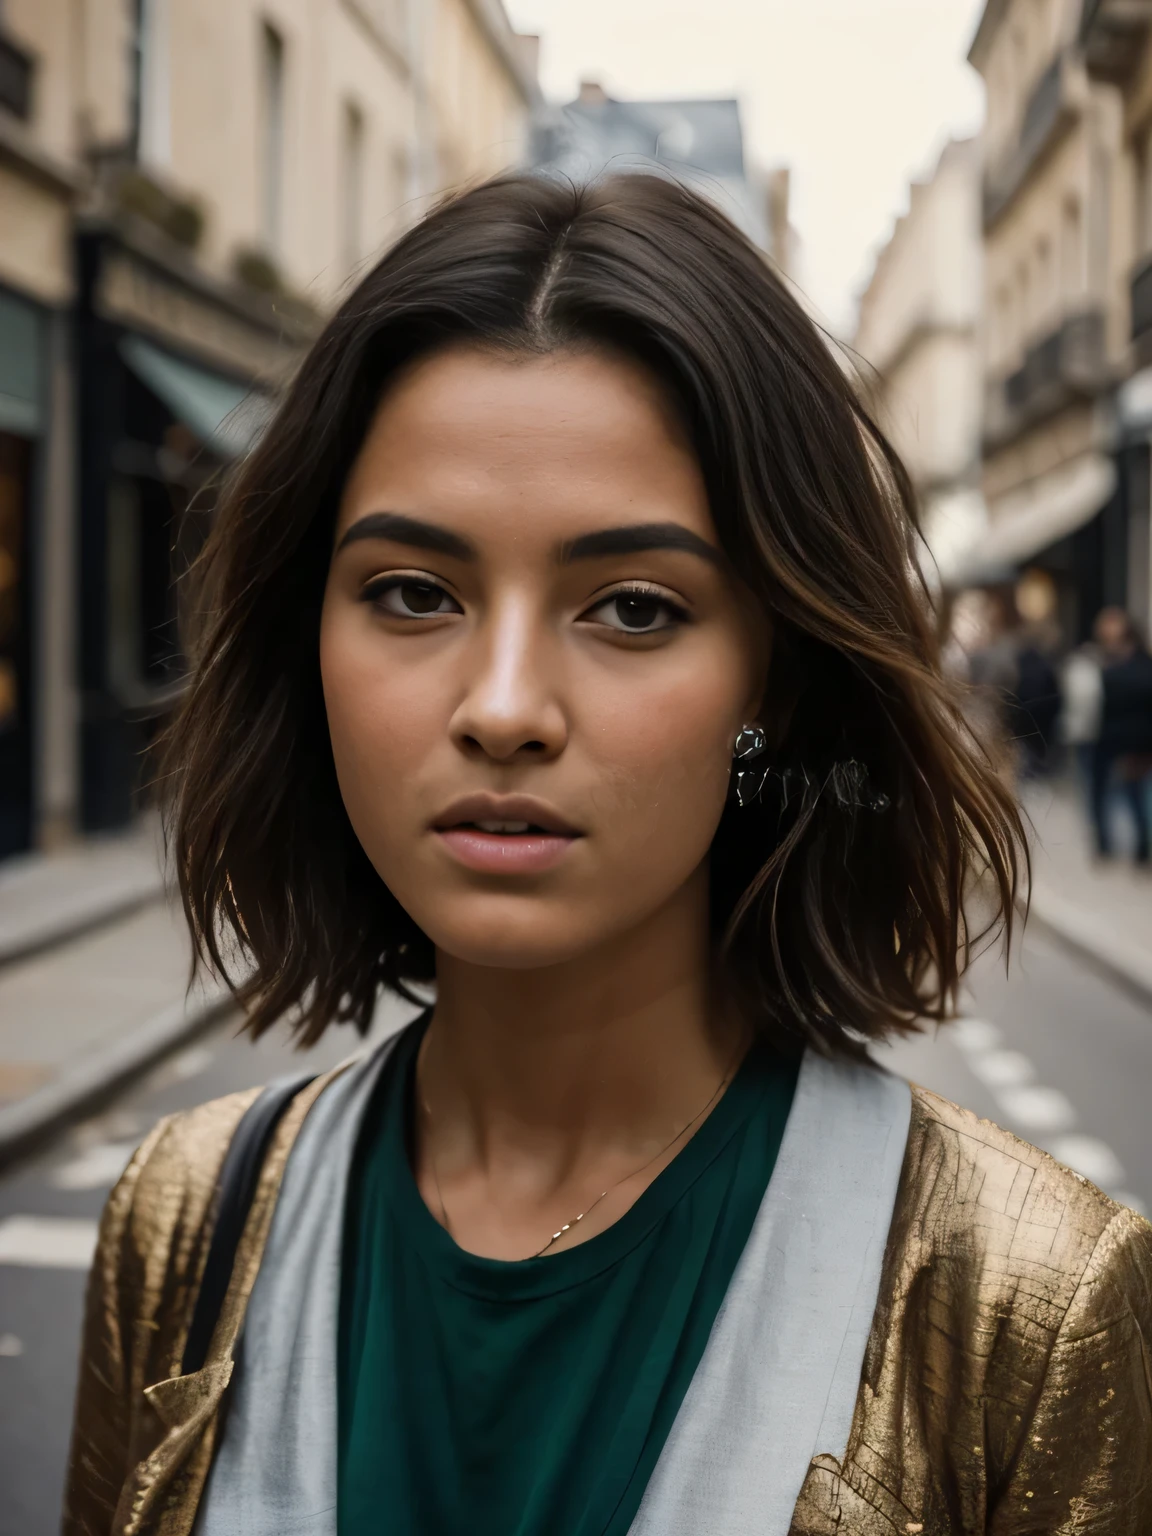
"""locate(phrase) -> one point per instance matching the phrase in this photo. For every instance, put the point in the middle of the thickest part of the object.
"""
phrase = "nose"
(511, 705)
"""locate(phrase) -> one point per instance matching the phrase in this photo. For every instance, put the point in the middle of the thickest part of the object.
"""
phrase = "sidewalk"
(94, 967)
(45, 898)
(1101, 909)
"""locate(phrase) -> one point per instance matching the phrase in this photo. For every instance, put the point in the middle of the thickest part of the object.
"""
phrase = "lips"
(505, 834)
(504, 811)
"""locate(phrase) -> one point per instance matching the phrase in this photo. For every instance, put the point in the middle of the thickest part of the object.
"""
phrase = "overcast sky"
(857, 96)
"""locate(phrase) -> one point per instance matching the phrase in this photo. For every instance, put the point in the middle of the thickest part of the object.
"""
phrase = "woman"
(562, 646)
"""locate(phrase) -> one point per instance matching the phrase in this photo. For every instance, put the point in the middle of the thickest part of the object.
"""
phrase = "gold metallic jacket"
(1006, 1389)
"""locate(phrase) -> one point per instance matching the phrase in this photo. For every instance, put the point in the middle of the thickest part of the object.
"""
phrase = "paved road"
(1055, 1052)
(42, 1292)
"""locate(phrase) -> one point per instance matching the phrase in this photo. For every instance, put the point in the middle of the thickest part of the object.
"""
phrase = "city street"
(48, 1212)
(1058, 1053)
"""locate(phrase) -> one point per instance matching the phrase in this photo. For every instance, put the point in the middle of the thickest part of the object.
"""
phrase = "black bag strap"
(239, 1176)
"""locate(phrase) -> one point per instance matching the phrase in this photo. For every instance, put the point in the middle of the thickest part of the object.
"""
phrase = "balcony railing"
(1048, 113)
(1111, 33)
(1142, 300)
(15, 78)
(1068, 364)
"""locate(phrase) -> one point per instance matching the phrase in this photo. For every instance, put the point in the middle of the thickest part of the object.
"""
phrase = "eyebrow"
(636, 537)
(627, 540)
(411, 531)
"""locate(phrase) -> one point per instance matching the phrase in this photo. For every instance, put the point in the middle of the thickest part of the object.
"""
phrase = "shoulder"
(1016, 1233)
(164, 1201)
(164, 1197)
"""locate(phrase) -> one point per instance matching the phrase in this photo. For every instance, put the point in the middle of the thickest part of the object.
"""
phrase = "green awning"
(225, 416)
(21, 366)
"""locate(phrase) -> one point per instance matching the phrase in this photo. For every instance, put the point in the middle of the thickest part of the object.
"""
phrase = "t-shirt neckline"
(515, 1280)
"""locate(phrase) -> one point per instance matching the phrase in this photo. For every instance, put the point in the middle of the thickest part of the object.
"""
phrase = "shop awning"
(1134, 401)
(955, 521)
(1037, 516)
(225, 416)
(21, 361)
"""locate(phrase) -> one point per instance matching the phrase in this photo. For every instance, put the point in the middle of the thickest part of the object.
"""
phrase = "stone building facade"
(918, 337)
(186, 188)
(1117, 45)
(1057, 333)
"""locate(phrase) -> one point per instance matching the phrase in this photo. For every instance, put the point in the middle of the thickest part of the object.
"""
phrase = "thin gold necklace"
(603, 1195)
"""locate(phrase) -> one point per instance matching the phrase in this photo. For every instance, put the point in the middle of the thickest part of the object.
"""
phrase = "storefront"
(175, 378)
(22, 426)
(1063, 522)
(1134, 420)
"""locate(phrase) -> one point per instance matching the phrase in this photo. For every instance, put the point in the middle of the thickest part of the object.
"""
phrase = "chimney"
(592, 94)
(778, 198)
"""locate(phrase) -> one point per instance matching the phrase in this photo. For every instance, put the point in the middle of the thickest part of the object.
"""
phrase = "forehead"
(494, 445)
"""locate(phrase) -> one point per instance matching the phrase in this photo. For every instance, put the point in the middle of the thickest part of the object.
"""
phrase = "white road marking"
(96, 1168)
(1002, 1069)
(1038, 1109)
(47, 1242)
(1089, 1156)
(10, 1346)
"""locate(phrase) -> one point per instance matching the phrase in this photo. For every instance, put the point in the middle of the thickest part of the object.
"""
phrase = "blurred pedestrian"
(1123, 752)
(563, 666)
(982, 628)
(1037, 697)
(1011, 668)
(1082, 707)
(1033, 707)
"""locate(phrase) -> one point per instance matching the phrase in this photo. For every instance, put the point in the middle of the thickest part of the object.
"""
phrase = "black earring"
(751, 743)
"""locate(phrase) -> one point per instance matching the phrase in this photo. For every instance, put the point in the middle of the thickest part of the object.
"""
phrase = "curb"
(95, 1076)
(1090, 937)
(77, 924)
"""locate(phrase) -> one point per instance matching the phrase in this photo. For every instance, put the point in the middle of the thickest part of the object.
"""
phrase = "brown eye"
(405, 598)
(637, 612)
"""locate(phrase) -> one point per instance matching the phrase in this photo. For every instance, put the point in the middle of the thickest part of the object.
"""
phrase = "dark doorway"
(15, 690)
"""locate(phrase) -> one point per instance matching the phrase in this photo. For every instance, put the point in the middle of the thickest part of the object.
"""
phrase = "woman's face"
(535, 656)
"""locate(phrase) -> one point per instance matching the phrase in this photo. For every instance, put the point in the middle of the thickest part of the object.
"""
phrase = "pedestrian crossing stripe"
(47, 1242)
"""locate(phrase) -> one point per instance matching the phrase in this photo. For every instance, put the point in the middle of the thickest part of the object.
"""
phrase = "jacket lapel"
(274, 1472)
(162, 1491)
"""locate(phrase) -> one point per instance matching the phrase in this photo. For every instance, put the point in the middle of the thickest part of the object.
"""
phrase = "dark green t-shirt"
(533, 1398)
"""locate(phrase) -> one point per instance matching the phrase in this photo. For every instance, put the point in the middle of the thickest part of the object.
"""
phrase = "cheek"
(663, 751)
(384, 721)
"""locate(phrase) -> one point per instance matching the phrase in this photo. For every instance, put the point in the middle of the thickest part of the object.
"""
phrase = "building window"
(1071, 250)
(153, 107)
(1046, 293)
(1004, 339)
(271, 137)
(352, 187)
(1019, 47)
(1144, 194)
(1024, 298)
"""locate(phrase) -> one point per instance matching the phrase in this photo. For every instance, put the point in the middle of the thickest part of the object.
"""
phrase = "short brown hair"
(834, 921)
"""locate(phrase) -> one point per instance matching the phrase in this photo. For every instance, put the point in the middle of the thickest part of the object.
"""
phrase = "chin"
(515, 941)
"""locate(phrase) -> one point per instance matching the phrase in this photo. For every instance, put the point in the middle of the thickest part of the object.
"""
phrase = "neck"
(599, 1057)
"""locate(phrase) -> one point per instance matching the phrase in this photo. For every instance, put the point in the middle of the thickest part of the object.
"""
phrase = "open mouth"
(509, 828)
(527, 844)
